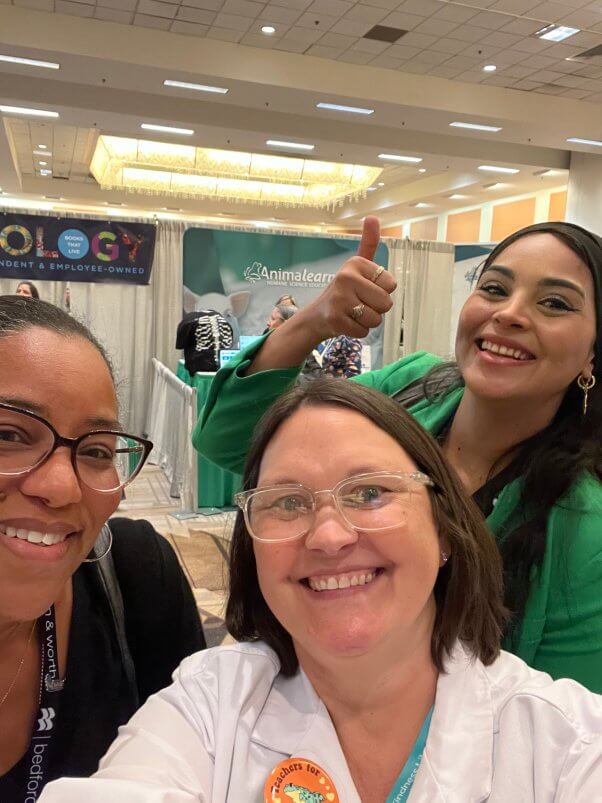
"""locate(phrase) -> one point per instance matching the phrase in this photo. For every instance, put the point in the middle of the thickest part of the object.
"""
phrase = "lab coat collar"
(457, 763)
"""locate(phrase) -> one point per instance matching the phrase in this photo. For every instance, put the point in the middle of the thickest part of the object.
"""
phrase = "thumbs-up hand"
(358, 296)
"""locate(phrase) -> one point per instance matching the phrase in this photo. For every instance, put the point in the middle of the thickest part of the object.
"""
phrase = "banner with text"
(242, 274)
(75, 249)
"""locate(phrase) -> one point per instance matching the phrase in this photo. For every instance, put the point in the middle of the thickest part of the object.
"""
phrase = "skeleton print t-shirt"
(202, 334)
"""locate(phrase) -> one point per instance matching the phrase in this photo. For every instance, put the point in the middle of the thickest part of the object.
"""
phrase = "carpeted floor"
(201, 544)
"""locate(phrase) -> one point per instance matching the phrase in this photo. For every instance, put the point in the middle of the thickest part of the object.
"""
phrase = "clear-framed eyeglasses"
(103, 460)
(367, 502)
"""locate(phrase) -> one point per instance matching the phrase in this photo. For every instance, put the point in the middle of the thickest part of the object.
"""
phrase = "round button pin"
(298, 780)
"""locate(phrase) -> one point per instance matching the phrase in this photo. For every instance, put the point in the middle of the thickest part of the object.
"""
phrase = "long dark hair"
(468, 590)
(565, 450)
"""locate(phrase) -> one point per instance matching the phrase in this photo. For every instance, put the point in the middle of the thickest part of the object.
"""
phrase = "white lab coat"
(503, 734)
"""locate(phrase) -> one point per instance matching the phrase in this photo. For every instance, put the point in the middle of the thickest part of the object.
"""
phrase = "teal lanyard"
(403, 785)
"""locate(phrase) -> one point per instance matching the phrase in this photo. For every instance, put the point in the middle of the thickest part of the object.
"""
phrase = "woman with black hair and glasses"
(93, 617)
(518, 415)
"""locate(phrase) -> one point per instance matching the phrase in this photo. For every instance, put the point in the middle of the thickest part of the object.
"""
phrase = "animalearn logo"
(257, 272)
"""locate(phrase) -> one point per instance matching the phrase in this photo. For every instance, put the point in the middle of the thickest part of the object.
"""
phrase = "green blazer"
(561, 632)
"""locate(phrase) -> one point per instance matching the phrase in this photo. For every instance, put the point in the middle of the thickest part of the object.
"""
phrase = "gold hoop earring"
(586, 385)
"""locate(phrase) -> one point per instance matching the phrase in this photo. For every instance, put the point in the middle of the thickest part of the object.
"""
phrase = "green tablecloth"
(216, 487)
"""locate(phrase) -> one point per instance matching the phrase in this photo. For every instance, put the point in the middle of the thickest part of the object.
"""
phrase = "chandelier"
(184, 171)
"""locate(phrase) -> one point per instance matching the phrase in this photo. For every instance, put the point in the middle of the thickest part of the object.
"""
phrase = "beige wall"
(557, 206)
(424, 229)
(510, 217)
(464, 227)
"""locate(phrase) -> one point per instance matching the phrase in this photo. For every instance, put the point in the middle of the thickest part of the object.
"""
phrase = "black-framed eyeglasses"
(104, 460)
(367, 502)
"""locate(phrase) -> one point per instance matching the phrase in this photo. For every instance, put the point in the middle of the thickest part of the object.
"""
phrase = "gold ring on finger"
(377, 273)
(358, 311)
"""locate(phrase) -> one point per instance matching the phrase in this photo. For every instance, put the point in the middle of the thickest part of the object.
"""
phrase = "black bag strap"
(110, 584)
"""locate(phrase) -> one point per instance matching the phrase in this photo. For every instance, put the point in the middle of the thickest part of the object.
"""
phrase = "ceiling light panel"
(580, 141)
(476, 126)
(217, 90)
(47, 65)
(395, 157)
(556, 33)
(293, 146)
(336, 107)
(167, 129)
(28, 112)
(496, 169)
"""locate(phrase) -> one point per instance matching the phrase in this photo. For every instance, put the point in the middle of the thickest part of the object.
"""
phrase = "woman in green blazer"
(517, 415)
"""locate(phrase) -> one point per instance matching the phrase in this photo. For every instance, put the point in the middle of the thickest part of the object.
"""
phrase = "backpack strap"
(110, 585)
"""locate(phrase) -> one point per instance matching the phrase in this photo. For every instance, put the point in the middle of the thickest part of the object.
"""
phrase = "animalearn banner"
(75, 249)
(242, 274)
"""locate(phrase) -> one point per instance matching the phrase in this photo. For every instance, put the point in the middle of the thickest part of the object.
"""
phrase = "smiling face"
(65, 380)
(528, 329)
(394, 604)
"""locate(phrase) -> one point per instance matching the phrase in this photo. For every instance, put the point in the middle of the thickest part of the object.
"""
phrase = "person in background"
(281, 313)
(338, 357)
(287, 299)
(94, 615)
(27, 289)
(366, 597)
(518, 415)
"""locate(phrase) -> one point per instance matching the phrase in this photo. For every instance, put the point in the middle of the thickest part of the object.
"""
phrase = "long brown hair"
(468, 590)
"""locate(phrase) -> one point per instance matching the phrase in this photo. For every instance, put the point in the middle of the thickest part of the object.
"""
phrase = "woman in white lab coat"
(366, 596)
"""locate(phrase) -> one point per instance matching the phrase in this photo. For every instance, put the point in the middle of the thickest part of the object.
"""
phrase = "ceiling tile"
(418, 68)
(225, 35)
(38, 5)
(470, 77)
(532, 45)
(463, 63)
(485, 53)
(146, 21)
(389, 4)
(301, 5)
(291, 47)
(371, 46)
(468, 33)
(579, 94)
(337, 40)
(242, 8)
(303, 35)
(546, 76)
(432, 57)
(273, 13)
(78, 9)
(363, 13)
(324, 23)
(527, 85)
(522, 27)
(501, 39)
(189, 28)
(323, 52)
(436, 27)
(517, 71)
(482, 3)
(585, 40)
(551, 90)
(113, 15)
(420, 40)
(455, 13)
(591, 71)
(443, 71)
(422, 7)
(207, 5)
(198, 15)
(451, 46)
(121, 5)
(581, 19)
(540, 62)
(514, 6)
(403, 52)
(595, 98)
(156, 9)
(332, 8)
(406, 22)
(490, 20)
(233, 22)
(506, 58)
(550, 12)
(356, 29)
(498, 80)
(387, 61)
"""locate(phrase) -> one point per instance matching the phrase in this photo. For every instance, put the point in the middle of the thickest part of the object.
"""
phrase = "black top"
(162, 627)
(203, 334)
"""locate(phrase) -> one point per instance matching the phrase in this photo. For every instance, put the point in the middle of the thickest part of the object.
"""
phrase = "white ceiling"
(115, 54)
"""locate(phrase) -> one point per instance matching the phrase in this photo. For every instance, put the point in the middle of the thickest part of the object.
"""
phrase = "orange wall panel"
(557, 205)
(424, 229)
(508, 218)
(396, 231)
(464, 227)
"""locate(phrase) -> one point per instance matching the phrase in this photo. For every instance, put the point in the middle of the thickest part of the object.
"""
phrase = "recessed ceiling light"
(476, 126)
(48, 65)
(24, 110)
(422, 169)
(219, 90)
(496, 185)
(394, 157)
(421, 205)
(489, 68)
(269, 29)
(43, 147)
(45, 172)
(496, 169)
(371, 189)
(457, 197)
(556, 33)
(381, 183)
(53, 198)
(112, 203)
(298, 146)
(167, 129)
(336, 107)
(42, 153)
(581, 141)
(43, 163)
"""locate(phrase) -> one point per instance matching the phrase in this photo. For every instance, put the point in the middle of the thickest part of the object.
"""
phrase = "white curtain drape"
(133, 322)
(171, 418)
(424, 271)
